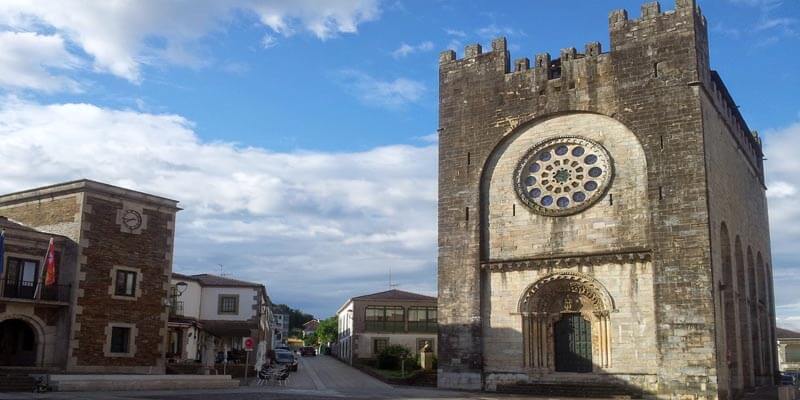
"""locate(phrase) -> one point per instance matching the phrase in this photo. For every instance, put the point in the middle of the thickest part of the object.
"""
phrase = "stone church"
(602, 220)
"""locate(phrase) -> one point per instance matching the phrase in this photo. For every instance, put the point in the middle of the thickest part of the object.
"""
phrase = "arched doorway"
(566, 324)
(573, 343)
(17, 343)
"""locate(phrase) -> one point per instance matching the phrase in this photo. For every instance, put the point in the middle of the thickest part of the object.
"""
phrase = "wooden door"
(573, 342)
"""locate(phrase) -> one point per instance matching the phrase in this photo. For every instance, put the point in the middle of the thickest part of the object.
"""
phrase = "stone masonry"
(89, 213)
(670, 266)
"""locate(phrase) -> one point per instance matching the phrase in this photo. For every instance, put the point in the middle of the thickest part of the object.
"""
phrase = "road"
(328, 373)
(317, 378)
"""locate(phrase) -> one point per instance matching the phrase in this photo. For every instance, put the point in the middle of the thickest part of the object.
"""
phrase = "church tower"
(602, 219)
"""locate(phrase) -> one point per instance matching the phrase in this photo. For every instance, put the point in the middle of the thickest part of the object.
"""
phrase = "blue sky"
(297, 134)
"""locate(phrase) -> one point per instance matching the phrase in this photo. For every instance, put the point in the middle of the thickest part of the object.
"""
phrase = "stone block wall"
(633, 347)
(737, 200)
(618, 221)
(104, 246)
(648, 83)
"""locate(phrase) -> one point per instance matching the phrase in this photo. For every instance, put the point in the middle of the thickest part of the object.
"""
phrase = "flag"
(50, 264)
(2, 249)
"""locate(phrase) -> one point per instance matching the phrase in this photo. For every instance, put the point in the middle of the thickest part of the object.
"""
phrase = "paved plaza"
(318, 378)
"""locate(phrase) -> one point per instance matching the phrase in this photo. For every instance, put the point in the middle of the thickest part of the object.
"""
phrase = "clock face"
(563, 176)
(132, 219)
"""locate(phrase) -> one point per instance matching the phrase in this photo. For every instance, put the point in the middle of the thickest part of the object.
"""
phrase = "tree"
(328, 330)
(311, 340)
(296, 317)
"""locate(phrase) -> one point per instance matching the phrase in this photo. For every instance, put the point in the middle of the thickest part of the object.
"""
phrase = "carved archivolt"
(571, 287)
(548, 300)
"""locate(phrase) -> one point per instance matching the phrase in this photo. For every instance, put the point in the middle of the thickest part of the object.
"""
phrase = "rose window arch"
(563, 176)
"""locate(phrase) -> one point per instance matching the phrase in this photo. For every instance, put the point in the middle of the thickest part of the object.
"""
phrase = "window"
(21, 277)
(126, 283)
(422, 319)
(385, 319)
(228, 304)
(793, 353)
(378, 345)
(120, 339)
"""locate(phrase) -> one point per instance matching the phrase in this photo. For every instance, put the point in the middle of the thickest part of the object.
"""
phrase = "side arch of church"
(595, 262)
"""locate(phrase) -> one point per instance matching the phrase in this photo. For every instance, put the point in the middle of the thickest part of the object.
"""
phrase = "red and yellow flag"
(50, 264)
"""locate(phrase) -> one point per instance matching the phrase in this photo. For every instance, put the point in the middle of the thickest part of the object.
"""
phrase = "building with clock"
(107, 311)
(602, 220)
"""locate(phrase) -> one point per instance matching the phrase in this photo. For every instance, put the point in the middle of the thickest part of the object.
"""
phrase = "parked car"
(283, 347)
(308, 351)
(788, 379)
(286, 358)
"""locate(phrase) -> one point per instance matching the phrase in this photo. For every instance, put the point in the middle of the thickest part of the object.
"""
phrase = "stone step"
(184, 369)
(599, 391)
(16, 383)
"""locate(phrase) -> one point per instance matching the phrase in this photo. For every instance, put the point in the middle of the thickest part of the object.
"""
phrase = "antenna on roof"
(392, 285)
(221, 271)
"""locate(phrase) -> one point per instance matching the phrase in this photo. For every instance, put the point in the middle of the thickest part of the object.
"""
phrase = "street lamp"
(180, 287)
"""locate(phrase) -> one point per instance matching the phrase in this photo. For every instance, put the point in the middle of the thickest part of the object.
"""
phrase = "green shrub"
(392, 356)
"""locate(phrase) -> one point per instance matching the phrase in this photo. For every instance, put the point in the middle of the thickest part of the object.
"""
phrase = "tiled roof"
(395, 294)
(11, 224)
(786, 334)
(21, 229)
(215, 280)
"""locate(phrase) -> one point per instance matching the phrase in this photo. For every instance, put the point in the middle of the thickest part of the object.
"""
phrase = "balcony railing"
(422, 327)
(385, 326)
(176, 308)
(15, 289)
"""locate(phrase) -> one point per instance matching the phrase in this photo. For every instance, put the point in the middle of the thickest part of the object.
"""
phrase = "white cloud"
(382, 93)
(455, 32)
(781, 189)
(272, 217)
(782, 166)
(121, 36)
(268, 41)
(28, 59)
(493, 31)
(406, 49)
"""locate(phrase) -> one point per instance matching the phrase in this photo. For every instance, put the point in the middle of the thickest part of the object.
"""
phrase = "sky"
(299, 135)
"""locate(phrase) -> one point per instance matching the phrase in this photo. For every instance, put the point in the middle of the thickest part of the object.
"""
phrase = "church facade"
(602, 219)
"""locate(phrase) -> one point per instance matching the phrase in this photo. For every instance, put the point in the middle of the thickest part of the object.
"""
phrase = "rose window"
(563, 176)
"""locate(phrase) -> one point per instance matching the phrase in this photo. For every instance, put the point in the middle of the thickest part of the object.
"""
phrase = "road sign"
(248, 343)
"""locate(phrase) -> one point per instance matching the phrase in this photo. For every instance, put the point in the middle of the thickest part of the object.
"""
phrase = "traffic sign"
(248, 343)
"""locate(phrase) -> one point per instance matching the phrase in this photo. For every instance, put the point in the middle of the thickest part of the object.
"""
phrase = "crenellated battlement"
(748, 140)
(651, 20)
(618, 19)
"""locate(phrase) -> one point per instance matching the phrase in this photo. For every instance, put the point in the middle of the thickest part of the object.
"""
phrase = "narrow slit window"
(466, 214)
(610, 199)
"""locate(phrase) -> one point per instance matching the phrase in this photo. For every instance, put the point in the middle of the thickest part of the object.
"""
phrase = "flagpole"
(37, 293)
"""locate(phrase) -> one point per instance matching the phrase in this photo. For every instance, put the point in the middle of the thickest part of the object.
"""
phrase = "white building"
(788, 350)
(369, 323)
(280, 329)
(206, 307)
